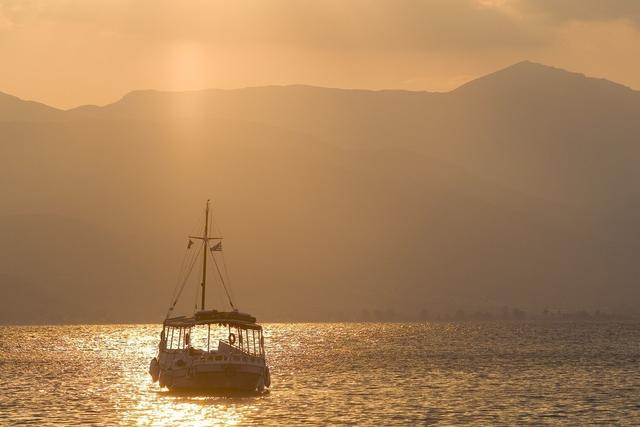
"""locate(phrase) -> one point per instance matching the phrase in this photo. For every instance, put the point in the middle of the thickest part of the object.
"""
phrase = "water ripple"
(365, 374)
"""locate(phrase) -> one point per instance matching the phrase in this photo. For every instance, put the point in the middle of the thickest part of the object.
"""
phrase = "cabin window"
(177, 338)
(261, 342)
(248, 342)
(253, 339)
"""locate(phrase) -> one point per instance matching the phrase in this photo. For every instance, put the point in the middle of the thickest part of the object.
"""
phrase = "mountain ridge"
(522, 71)
(528, 72)
(13, 108)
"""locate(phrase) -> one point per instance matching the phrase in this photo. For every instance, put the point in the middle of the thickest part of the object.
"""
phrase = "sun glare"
(186, 65)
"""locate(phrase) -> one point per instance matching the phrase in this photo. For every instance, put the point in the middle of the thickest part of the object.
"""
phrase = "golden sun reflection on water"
(312, 367)
(193, 412)
(160, 407)
(484, 373)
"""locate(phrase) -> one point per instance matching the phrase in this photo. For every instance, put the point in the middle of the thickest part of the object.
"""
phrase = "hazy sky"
(71, 52)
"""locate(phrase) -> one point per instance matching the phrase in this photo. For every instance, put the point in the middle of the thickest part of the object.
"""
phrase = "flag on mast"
(189, 244)
(216, 247)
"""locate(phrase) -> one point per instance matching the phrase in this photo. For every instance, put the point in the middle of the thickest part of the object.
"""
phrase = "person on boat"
(162, 340)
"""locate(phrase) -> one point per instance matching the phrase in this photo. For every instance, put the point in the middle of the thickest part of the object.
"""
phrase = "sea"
(370, 374)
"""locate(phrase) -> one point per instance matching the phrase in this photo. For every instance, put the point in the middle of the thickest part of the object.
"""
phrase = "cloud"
(583, 10)
(326, 24)
(6, 23)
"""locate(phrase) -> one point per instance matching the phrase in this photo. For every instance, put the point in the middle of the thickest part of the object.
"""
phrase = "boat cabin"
(214, 333)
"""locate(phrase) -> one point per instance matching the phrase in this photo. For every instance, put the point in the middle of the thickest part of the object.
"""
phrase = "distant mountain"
(529, 77)
(518, 188)
(16, 109)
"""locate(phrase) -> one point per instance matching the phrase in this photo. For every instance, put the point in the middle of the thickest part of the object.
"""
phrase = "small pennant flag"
(189, 244)
(216, 247)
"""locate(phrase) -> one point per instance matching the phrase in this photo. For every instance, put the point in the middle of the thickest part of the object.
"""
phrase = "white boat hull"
(227, 370)
(229, 376)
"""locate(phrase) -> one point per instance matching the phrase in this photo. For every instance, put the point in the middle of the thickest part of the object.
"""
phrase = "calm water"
(365, 374)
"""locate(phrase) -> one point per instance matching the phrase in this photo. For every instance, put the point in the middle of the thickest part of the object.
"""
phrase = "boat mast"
(205, 242)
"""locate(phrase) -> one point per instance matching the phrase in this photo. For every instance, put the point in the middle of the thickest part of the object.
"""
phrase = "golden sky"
(71, 52)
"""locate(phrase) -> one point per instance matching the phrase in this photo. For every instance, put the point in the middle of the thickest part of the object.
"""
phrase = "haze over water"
(337, 373)
(467, 169)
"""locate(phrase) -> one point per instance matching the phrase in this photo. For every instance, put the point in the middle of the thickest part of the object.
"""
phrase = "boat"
(212, 349)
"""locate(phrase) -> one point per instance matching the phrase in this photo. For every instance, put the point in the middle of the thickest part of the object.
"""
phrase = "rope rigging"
(184, 282)
(226, 273)
(189, 260)
(183, 265)
(224, 286)
(228, 289)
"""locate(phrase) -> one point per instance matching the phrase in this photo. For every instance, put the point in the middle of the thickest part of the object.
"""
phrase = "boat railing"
(243, 348)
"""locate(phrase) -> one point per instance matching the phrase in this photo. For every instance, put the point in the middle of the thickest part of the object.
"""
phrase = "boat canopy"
(208, 317)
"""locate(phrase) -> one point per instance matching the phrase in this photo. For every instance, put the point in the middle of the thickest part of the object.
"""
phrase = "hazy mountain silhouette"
(16, 109)
(518, 188)
(518, 78)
